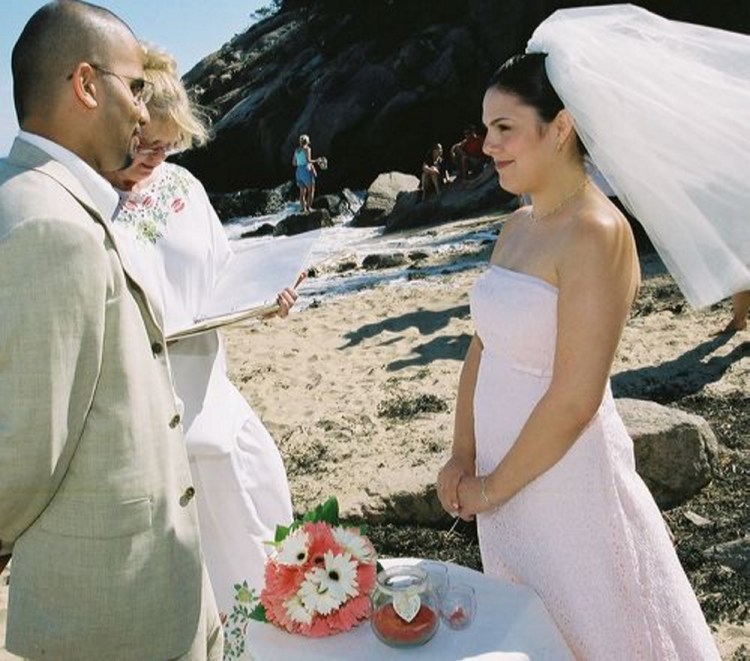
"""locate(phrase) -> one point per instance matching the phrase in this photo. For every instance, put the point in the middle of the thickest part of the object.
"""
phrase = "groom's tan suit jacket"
(95, 487)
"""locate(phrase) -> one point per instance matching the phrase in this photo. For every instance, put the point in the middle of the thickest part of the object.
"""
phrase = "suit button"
(187, 496)
(174, 422)
(157, 348)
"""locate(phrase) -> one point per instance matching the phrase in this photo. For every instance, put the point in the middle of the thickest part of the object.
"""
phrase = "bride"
(540, 454)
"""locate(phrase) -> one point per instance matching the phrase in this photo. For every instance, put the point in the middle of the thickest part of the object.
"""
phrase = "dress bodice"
(515, 316)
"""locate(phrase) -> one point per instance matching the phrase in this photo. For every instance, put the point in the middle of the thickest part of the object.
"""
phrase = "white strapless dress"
(586, 535)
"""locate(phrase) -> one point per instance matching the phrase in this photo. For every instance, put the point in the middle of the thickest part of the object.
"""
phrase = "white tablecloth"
(511, 624)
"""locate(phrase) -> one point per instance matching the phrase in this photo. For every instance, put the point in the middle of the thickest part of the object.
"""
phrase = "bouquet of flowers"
(319, 579)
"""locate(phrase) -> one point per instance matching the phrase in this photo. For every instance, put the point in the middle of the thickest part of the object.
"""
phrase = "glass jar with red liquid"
(405, 609)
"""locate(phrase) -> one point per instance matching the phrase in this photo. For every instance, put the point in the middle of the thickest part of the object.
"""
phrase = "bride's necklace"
(561, 204)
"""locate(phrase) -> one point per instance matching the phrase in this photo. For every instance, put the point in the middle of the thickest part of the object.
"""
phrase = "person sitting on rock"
(467, 155)
(433, 171)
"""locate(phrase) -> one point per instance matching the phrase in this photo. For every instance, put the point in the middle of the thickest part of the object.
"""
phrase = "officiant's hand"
(286, 300)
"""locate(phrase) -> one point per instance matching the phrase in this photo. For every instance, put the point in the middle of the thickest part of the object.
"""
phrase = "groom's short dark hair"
(54, 41)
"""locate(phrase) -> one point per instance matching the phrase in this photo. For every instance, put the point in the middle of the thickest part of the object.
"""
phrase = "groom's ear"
(84, 85)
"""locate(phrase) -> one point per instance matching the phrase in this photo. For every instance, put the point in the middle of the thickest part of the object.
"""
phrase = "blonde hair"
(304, 140)
(170, 100)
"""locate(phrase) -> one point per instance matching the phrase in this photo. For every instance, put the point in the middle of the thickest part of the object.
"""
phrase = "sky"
(189, 29)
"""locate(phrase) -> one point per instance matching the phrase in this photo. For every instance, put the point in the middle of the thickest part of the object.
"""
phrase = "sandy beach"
(329, 381)
(322, 379)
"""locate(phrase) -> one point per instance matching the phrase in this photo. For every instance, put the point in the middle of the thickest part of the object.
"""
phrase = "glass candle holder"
(459, 606)
(437, 575)
(405, 611)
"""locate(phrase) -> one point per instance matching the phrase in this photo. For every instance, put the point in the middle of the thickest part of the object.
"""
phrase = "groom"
(96, 500)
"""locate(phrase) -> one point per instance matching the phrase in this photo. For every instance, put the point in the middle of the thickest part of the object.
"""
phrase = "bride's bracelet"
(483, 484)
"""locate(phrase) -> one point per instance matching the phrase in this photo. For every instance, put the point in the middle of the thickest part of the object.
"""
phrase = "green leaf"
(281, 533)
(330, 511)
(327, 512)
(259, 613)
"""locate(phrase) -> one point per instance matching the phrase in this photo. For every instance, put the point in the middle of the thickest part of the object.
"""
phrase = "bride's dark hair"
(525, 77)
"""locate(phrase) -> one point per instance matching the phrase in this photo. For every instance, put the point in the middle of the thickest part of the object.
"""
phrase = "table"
(511, 624)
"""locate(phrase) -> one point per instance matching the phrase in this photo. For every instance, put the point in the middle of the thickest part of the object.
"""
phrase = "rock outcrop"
(303, 222)
(457, 200)
(252, 201)
(675, 452)
(373, 83)
(381, 198)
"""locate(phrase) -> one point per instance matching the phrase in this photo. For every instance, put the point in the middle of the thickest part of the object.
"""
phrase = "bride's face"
(518, 142)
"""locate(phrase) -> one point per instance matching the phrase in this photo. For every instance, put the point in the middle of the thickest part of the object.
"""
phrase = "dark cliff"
(373, 83)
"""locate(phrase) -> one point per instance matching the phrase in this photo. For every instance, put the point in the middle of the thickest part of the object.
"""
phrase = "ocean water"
(343, 243)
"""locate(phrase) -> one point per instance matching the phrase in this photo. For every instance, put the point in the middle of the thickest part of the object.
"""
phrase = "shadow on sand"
(685, 375)
(427, 322)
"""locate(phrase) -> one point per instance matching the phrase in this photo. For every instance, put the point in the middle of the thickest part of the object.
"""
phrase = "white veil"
(664, 109)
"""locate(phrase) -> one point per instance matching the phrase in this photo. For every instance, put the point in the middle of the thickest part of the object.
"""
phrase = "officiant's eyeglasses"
(162, 150)
(141, 89)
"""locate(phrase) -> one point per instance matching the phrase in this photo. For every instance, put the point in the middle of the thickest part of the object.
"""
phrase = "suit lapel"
(30, 157)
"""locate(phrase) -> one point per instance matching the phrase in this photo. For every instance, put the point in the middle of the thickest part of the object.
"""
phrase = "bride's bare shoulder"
(518, 217)
(600, 232)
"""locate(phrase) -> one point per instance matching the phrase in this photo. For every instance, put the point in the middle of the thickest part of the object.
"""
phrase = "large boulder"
(303, 222)
(381, 198)
(457, 200)
(335, 205)
(675, 452)
(405, 497)
(252, 201)
(675, 455)
(375, 262)
(266, 229)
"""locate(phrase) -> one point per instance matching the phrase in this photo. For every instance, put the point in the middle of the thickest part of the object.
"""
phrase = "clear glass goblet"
(459, 606)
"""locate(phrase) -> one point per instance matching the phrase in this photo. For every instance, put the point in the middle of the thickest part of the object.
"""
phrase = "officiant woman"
(176, 246)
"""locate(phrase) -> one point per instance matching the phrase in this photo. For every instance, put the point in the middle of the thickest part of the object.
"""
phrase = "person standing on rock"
(177, 246)
(96, 496)
(305, 173)
(540, 455)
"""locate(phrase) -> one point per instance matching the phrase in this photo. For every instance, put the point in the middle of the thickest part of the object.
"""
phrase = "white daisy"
(354, 543)
(314, 597)
(326, 588)
(293, 550)
(297, 611)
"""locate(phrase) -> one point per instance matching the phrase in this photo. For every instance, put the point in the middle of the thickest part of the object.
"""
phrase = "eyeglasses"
(141, 89)
(167, 150)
